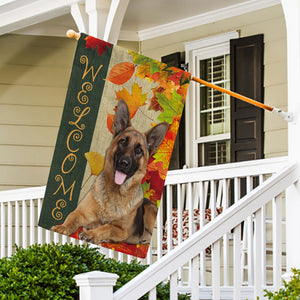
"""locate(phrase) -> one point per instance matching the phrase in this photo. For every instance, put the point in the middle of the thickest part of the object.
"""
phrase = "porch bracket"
(285, 115)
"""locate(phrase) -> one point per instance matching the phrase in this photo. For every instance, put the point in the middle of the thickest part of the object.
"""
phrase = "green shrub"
(46, 272)
(290, 291)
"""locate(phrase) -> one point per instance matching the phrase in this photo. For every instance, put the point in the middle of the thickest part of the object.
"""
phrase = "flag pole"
(286, 115)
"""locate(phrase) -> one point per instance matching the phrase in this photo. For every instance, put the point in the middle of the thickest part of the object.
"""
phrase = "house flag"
(119, 124)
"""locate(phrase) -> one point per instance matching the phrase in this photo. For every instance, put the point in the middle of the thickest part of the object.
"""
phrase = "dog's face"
(131, 155)
(128, 155)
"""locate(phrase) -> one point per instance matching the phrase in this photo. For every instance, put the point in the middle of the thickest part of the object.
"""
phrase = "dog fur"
(114, 209)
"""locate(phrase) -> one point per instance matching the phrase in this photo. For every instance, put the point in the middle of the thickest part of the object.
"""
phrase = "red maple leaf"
(94, 43)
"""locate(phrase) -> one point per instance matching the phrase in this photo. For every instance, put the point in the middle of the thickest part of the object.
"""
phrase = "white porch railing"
(251, 206)
(198, 188)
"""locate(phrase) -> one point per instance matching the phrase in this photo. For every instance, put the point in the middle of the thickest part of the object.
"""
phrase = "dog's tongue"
(119, 177)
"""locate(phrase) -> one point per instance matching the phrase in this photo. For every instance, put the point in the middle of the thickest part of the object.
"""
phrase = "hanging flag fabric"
(114, 145)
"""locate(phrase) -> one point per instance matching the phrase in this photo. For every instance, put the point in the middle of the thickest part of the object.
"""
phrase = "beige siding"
(271, 23)
(35, 73)
(34, 76)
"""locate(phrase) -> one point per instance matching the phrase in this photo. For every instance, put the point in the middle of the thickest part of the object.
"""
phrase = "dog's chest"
(113, 205)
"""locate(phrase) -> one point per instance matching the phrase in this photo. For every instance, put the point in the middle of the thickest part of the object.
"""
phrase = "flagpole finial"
(73, 34)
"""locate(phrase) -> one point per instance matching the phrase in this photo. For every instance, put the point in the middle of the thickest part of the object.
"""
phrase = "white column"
(98, 11)
(96, 285)
(292, 17)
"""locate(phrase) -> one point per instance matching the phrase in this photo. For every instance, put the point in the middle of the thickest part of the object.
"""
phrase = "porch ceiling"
(143, 19)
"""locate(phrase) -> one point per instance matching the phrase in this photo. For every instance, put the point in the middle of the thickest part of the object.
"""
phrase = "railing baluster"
(24, 224)
(40, 230)
(159, 229)
(9, 229)
(179, 228)
(277, 240)
(249, 183)
(202, 219)
(17, 223)
(194, 282)
(190, 208)
(2, 224)
(173, 286)
(48, 236)
(169, 216)
(152, 294)
(225, 237)
(215, 261)
(237, 267)
(212, 200)
(149, 254)
(258, 255)
(32, 222)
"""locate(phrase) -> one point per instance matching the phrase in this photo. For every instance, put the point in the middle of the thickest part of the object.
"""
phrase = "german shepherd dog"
(114, 209)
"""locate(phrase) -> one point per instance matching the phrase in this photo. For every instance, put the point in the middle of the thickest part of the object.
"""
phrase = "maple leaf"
(154, 105)
(172, 108)
(176, 77)
(121, 73)
(133, 100)
(185, 78)
(94, 43)
(143, 71)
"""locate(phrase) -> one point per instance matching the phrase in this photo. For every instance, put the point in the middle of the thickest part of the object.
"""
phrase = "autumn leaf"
(154, 105)
(185, 78)
(176, 76)
(96, 162)
(110, 121)
(139, 59)
(133, 100)
(94, 43)
(172, 108)
(143, 71)
(121, 73)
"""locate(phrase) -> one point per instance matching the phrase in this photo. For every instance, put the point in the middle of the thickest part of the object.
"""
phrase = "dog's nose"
(124, 164)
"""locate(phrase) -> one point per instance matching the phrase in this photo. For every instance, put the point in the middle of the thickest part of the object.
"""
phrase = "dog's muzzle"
(123, 169)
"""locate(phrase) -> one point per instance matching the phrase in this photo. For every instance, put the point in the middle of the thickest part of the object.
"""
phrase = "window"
(208, 110)
(214, 112)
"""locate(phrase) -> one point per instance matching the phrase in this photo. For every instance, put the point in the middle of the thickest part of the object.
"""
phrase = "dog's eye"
(123, 141)
(139, 151)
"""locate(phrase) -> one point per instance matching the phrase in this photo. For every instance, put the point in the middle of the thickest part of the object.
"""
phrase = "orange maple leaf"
(133, 100)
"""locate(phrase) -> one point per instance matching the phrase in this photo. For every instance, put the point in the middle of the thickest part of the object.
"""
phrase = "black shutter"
(246, 78)
(178, 156)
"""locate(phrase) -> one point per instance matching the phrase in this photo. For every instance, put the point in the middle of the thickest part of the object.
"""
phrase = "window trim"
(202, 48)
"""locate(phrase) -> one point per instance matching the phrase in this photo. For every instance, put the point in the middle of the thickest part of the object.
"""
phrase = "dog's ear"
(122, 118)
(155, 136)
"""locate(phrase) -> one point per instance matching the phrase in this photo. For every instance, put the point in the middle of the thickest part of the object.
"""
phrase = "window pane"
(214, 153)
(214, 105)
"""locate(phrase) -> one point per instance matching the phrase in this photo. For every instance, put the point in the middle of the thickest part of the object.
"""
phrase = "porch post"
(292, 18)
(96, 285)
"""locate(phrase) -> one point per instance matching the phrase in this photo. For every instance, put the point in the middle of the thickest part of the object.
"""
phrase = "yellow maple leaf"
(133, 100)
(96, 162)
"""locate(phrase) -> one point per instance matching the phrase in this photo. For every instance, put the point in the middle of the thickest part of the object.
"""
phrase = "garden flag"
(118, 128)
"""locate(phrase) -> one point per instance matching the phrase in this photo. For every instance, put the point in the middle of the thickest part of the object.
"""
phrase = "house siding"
(271, 23)
(35, 72)
(34, 76)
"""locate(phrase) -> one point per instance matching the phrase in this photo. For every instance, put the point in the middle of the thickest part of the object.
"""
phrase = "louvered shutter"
(178, 155)
(246, 73)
